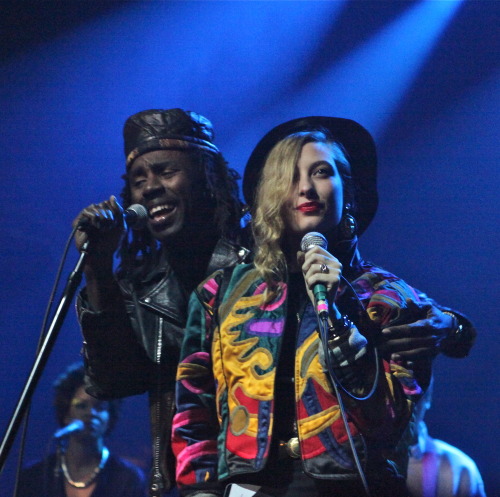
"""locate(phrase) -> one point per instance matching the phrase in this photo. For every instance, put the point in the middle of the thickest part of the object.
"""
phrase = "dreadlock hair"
(221, 191)
(276, 181)
(65, 387)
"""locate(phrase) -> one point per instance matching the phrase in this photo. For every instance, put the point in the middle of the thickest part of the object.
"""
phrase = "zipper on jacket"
(157, 479)
(299, 314)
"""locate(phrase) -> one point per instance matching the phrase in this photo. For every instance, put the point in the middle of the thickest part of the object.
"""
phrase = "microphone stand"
(74, 280)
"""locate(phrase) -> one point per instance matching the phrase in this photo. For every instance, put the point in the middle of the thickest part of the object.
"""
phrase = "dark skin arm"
(418, 343)
(104, 235)
(419, 340)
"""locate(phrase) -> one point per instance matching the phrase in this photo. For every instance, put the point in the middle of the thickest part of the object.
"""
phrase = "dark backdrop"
(422, 76)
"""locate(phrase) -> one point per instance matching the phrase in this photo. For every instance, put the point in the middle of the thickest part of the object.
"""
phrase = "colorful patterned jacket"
(226, 381)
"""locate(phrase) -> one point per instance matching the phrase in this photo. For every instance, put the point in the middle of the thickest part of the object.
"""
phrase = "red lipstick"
(309, 207)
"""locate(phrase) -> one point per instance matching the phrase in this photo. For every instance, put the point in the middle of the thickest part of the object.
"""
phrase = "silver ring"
(324, 268)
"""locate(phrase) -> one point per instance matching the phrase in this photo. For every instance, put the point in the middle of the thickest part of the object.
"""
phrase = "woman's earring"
(348, 225)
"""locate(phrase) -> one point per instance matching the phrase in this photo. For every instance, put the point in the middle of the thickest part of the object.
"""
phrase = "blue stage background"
(422, 76)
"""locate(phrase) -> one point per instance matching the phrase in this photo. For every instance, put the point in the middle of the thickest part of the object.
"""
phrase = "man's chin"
(165, 232)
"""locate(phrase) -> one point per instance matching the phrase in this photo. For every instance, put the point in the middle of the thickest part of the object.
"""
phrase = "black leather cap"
(159, 129)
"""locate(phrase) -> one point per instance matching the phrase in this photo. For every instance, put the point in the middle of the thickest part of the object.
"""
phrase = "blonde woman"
(277, 387)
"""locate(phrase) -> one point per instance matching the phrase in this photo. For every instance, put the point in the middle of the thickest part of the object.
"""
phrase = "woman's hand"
(319, 266)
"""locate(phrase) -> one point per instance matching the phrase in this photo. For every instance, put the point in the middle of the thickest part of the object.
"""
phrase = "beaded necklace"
(95, 472)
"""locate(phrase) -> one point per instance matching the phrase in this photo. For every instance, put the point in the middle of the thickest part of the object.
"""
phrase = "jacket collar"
(225, 254)
(348, 254)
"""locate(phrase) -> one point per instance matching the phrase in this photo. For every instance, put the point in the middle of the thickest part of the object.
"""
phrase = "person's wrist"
(456, 331)
(339, 327)
(101, 276)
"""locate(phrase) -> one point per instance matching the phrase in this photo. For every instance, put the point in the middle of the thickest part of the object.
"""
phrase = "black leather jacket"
(133, 347)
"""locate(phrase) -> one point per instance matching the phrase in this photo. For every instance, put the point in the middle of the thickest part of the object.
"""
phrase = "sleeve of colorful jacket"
(195, 426)
(386, 301)
(115, 365)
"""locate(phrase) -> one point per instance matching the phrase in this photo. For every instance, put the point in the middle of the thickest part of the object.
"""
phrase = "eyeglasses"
(83, 405)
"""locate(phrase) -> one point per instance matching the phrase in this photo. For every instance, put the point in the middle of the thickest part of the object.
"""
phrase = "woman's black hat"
(355, 140)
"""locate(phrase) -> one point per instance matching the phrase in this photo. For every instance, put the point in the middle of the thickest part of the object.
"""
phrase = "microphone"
(135, 216)
(315, 239)
(67, 430)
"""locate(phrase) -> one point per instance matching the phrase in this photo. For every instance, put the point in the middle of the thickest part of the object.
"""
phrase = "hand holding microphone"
(321, 271)
(135, 216)
(103, 224)
(342, 345)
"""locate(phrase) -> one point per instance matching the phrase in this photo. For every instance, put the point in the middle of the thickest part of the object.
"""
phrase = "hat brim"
(358, 144)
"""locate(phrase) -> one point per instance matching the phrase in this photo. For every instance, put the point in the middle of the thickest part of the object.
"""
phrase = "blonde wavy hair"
(276, 181)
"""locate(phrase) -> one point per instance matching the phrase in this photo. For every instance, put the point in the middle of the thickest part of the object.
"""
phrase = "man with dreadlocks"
(132, 321)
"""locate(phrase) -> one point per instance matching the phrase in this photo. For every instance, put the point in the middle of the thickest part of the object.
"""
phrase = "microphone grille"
(313, 239)
(136, 216)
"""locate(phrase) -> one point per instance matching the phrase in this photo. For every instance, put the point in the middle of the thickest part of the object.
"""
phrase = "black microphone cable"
(337, 385)
(323, 324)
(321, 308)
(43, 331)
